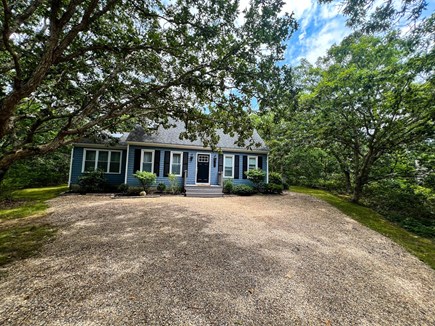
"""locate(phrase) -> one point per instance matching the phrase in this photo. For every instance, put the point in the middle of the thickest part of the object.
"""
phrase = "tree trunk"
(348, 182)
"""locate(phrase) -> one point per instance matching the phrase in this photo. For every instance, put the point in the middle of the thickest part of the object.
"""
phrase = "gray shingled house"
(164, 153)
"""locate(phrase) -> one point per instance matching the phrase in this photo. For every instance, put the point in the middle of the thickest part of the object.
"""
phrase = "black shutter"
(157, 162)
(166, 163)
(136, 166)
(236, 166)
(185, 162)
(260, 162)
(245, 166)
(220, 163)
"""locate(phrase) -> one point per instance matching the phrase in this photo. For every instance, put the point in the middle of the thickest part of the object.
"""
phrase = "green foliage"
(244, 190)
(276, 178)
(93, 181)
(127, 62)
(422, 248)
(411, 207)
(256, 176)
(42, 171)
(228, 186)
(147, 179)
(123, 188)
(272, 188)
(174, 188)
(161, 187)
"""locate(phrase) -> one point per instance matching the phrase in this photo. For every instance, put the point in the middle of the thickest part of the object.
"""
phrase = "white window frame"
(181, 163)
(232, 167)
(152, 159)
(256, 162)
(98, 150)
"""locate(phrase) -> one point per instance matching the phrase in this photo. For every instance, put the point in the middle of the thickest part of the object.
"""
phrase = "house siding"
(128, 177)
(77, 165)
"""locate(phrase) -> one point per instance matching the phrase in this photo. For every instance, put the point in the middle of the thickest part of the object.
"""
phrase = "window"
(252, 162)
(105, 160)
(229, 166)
(147, 161)
(176, 163)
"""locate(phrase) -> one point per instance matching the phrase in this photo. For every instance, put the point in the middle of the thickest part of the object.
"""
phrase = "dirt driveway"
(284, 260)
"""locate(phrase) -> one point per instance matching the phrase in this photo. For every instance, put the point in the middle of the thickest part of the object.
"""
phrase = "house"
(164, 153)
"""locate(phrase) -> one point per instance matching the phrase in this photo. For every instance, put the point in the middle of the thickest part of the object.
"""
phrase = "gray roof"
(172, 136)
(107, 138)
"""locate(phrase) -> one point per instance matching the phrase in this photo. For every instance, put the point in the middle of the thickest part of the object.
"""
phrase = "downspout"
(126, 164)
(70, 166)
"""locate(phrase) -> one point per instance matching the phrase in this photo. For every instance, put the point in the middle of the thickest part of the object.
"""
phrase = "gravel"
(261, 260)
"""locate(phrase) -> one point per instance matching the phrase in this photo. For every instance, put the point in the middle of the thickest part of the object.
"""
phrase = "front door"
(203, 168)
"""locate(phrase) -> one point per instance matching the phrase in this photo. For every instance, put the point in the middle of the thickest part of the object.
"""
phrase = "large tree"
(367, 98)
(71, 69)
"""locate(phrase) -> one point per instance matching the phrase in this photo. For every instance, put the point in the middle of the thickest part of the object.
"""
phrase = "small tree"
(173, 183)
(147, 179)
(257, 177)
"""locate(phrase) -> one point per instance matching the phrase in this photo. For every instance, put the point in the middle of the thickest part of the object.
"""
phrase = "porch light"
(191, 157)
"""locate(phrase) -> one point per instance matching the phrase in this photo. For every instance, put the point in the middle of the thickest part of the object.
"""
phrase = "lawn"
(420, 247)
(21, 233)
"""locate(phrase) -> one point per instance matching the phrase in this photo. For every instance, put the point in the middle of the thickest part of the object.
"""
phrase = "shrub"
(134, 191)
(93, 181)
(244, 190)
(228, 186)
(75, 188)
(173, 184)
(257, 177)
(273, 188)
(147, 179)
(275, 178)
(161, 187)
(123, 188)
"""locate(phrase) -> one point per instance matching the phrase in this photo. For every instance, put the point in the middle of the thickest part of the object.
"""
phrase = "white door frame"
(209, 169)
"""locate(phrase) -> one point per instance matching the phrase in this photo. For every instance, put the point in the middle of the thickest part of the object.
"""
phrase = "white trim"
(97, 156)
(223, 149)
(152, 151)
(267, 168)
(126, 164)
(70, 166)
(181, 163)
(209, 169)
(232, 167)
(256, 161)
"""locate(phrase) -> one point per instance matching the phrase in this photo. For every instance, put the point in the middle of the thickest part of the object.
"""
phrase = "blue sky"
(320, 26)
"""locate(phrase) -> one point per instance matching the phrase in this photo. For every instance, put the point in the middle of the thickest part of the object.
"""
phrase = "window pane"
(228, 171)
(103, 158)
(252, 163)
(115, 157)
(147, 157)
(228, 161)
(90, 155)
(147, 167)
(176, 168)
(89, 165)
(114, 167)
(176, 158)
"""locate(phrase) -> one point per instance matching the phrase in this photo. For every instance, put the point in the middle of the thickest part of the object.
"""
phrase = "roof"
(171, 136)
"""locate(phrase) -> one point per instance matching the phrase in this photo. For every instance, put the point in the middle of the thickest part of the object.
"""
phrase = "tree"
(73, 69)
(369, 100)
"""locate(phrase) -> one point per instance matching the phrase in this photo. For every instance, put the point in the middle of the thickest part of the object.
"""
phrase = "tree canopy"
(70, 69)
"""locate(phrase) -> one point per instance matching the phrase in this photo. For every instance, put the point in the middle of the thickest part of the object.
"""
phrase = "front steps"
(203, 191)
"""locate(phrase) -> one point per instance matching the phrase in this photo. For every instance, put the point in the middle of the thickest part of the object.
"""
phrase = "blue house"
(164, 153)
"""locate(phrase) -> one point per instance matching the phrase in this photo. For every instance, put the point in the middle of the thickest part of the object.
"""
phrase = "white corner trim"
(70, 166)
(126, 164)
(267, 168)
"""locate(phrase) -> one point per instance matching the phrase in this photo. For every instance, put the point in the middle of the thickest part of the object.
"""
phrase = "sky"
(320, 27)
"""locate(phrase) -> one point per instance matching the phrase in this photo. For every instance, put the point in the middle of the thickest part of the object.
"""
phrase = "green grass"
(19, 242)
(422, 248)
(20, 237)
(31, 201)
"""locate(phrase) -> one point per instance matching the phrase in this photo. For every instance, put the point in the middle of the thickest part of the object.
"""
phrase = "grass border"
(422, 248)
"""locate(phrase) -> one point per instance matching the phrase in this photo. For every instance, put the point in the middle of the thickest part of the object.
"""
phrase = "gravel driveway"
(262, 260)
